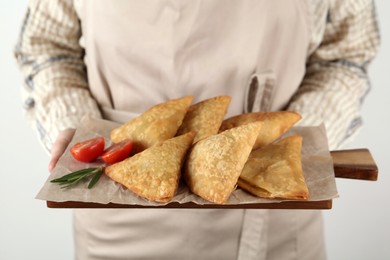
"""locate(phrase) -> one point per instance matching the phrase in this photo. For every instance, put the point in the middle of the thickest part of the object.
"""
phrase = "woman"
(115, 59)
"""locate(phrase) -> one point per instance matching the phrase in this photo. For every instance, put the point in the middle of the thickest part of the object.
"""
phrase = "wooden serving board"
(352, 164)
(324, 204)
(355, 164)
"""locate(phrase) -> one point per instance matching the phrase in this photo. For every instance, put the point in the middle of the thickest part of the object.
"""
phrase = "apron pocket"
(259, 92)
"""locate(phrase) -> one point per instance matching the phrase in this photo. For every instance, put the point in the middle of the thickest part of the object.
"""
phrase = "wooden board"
(352, 164)
(355, 164)
(324, 204)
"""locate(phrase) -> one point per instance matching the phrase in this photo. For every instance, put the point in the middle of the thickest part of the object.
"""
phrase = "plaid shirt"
(344, 39)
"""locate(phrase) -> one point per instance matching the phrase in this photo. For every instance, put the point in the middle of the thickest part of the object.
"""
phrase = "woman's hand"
(59, 146)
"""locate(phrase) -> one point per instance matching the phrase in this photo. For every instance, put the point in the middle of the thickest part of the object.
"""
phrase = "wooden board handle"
(354, 164)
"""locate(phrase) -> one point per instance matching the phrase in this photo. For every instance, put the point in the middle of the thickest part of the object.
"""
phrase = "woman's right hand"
(59, 146)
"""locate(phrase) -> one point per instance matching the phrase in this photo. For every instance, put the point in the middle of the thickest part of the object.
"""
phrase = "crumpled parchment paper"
(317, 166)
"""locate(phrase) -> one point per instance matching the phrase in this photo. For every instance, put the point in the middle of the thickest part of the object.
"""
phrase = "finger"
(59, 146)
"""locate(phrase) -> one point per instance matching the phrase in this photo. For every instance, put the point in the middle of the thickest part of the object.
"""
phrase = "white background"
(358, 226)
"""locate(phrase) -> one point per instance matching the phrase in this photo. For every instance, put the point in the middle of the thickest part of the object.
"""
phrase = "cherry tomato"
(89, 150)
(117, 152)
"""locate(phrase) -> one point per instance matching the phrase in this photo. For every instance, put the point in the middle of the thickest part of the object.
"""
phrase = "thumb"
(59, 146)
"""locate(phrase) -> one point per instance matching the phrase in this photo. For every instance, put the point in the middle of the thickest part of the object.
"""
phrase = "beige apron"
(140, 53)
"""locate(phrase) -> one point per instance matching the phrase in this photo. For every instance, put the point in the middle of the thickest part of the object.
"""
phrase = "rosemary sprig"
(73, 178)
(95, 178)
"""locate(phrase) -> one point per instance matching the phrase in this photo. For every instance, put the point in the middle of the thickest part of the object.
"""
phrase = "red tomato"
(117, 152)
(88, 150)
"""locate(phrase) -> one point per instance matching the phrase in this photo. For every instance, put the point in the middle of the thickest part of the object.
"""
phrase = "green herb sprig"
(73, 178)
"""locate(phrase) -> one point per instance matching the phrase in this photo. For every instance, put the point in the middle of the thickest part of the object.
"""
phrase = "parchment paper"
(317, 166)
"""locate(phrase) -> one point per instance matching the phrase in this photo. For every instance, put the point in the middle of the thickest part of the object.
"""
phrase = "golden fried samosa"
(157, 124)
(215, 163)
(274, 124)
(275, 171)
(155, 172)
(205, 117)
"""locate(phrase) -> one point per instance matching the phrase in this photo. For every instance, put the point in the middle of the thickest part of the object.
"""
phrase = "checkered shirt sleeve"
(336, 80)
(55, 92)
